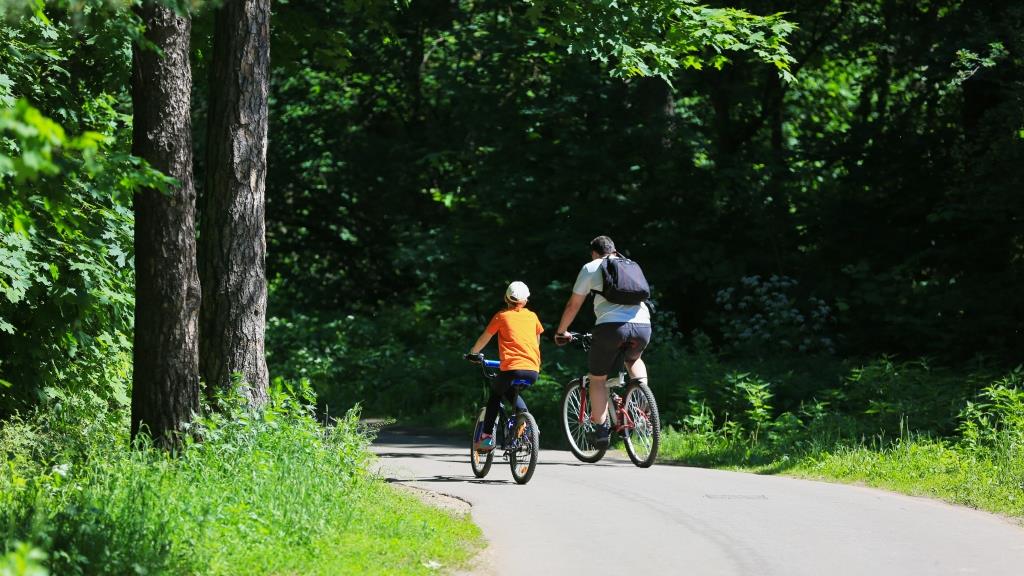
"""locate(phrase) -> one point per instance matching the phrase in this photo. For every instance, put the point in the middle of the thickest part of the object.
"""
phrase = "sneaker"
(485, 443)
(602, 434)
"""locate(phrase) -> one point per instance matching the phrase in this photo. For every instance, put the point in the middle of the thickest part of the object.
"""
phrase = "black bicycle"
(516, 435)
(634, 415)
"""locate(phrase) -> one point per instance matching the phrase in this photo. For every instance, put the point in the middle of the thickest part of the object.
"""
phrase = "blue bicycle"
(516, 433)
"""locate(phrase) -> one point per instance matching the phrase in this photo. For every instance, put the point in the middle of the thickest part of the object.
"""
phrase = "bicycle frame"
(490, 371)
(621, 420)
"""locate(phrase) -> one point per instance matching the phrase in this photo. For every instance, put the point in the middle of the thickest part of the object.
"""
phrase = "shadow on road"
(434, 456)
(446, 479)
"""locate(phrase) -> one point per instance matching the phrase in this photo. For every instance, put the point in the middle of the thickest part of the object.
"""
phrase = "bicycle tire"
(481, 463)
(643, 433)
(575, 433)
(523, 459)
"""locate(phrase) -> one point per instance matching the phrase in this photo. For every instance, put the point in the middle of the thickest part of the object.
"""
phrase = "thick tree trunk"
(165, 389)
(232, 241)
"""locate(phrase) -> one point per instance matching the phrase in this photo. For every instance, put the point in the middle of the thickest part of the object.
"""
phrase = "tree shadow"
(438, 456)
(762, 464)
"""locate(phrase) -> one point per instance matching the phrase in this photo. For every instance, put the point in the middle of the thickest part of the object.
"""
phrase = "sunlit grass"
(271, 493)
(990, 479)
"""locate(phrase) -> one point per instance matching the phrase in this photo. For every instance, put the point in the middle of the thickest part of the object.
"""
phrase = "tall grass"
(273, 492)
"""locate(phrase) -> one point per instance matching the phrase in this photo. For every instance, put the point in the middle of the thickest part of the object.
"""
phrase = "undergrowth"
(269, 492)
(980, 463)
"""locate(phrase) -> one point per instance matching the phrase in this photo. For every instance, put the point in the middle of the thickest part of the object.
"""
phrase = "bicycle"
(518, 435)
(634, 416)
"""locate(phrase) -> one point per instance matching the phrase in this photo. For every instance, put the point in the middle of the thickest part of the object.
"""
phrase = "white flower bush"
(763, 315)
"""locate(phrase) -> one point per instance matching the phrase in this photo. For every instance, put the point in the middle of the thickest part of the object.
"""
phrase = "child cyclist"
(518, 331)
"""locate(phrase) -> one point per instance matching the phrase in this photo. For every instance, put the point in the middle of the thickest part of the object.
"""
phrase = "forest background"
(827, 202)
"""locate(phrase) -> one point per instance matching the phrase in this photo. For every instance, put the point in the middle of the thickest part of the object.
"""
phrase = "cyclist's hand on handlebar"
(563, 338)
(477, 358)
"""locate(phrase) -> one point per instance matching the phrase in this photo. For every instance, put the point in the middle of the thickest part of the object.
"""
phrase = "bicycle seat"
(522, 383)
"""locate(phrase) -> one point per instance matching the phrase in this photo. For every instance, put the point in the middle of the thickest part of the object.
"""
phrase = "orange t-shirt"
(517, 331)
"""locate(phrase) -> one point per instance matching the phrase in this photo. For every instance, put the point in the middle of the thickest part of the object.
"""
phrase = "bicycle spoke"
(638, 412)
(576, 424)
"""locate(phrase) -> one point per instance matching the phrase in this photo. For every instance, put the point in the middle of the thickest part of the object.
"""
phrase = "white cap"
(517, 292)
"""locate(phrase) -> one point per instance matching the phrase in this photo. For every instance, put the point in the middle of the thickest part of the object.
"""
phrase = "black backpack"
(624, 281)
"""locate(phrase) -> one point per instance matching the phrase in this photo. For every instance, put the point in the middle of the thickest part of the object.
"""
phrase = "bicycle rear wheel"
(481, 463)
(525, 448)
(642, 431)
(577, 429)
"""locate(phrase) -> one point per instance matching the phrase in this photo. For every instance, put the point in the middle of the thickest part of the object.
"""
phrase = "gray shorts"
(614, 338)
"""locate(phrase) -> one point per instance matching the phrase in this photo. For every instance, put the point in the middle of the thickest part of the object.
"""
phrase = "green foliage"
(996, 417)
(656, 38)
(66, 282)
(23, 560)
(272, 491)
(968, 63)
(763, 317)
(868, 181)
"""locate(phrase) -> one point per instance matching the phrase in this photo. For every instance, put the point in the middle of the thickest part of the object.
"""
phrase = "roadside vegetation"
(969, 450)
(274, 492)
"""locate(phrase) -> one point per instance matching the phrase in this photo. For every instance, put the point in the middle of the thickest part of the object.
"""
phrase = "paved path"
(613, 518)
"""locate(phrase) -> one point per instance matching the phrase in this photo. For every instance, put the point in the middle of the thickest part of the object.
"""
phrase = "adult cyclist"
(619, 327)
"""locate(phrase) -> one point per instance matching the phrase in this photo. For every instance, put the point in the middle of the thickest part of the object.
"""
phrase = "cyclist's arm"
(572, 307)
(481, 342)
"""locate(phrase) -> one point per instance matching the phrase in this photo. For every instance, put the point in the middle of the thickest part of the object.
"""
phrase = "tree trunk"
(165, 390)
(232, 242)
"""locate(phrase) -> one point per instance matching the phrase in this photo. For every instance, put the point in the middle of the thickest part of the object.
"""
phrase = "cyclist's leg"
(639, 338)
(498, 387)
(598, 393)
(603, 349)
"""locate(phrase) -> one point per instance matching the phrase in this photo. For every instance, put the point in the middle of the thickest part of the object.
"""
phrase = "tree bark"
(233, 237)
(165, 389)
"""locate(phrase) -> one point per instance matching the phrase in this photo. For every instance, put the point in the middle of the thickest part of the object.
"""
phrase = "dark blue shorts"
(507, 377)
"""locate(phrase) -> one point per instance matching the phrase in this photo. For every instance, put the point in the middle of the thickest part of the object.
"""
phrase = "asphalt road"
(614, 518)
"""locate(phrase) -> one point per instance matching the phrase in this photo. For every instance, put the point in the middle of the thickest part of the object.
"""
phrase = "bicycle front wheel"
(525, 448)
(481, 462)
(577, 427)
(642, 428)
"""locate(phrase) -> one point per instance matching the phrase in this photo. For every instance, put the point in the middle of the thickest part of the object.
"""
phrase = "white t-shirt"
(590, 279)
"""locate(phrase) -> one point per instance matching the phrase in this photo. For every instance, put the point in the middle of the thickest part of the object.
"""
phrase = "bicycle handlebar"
(583, 339)
(479, 359)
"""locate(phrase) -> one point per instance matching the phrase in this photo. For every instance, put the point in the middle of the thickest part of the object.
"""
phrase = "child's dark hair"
(603, 245)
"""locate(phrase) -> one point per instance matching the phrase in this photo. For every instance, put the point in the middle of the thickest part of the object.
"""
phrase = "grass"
(267, 493)
(989, 479)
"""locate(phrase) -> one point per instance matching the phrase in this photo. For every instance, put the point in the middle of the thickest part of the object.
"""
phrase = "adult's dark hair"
(603, 245)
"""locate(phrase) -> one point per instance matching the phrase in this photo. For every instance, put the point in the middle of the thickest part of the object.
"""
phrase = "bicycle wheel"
(576, 431)
(642, 431)
(525, 448)
(481, 463)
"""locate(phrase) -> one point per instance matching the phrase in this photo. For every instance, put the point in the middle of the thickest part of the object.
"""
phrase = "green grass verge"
(989, 479)
(262, 493)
